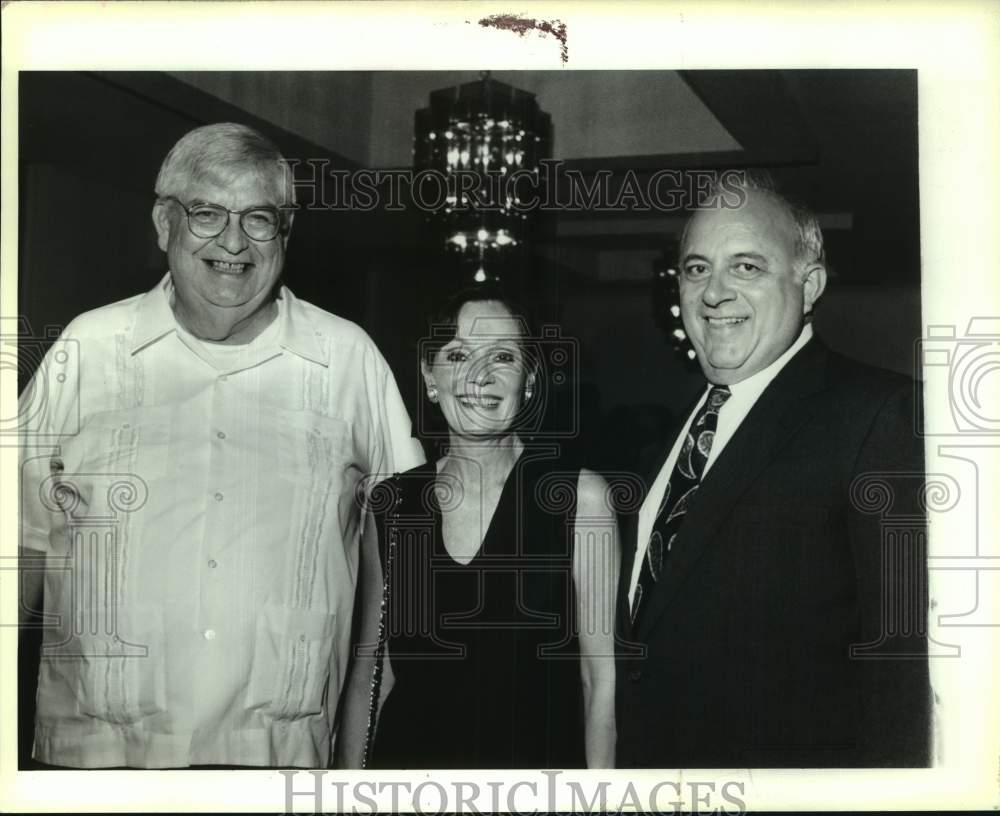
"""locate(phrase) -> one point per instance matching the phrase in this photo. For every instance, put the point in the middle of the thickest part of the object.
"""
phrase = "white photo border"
(956, 52)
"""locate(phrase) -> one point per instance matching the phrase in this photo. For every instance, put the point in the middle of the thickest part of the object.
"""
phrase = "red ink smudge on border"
(521, 25)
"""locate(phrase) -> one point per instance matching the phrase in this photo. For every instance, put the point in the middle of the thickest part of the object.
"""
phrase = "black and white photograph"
(602, 424)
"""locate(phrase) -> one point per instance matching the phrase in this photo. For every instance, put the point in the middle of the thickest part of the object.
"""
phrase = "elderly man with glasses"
(191, 488)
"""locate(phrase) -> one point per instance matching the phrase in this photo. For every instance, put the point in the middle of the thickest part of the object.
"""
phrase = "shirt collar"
(756, 383)
(297, 333)
(155, 319)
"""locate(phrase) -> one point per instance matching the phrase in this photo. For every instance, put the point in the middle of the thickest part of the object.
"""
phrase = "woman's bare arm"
(595, 575)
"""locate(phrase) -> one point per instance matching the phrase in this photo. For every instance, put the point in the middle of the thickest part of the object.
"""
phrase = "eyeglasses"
(209, 220)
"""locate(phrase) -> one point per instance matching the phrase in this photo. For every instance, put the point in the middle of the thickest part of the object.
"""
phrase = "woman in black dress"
(488, 579)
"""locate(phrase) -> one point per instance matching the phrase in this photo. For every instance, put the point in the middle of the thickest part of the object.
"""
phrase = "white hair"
(228, 150)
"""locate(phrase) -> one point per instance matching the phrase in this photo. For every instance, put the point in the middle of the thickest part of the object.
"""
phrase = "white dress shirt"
(198, 505)
(743, 397)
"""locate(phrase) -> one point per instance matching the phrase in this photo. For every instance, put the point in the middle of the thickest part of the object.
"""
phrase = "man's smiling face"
(230, 276)
(743, 292)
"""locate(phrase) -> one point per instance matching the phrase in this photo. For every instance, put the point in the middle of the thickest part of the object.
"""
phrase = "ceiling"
(367, 116)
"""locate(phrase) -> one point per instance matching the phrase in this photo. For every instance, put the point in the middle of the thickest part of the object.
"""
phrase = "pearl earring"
(432, 393)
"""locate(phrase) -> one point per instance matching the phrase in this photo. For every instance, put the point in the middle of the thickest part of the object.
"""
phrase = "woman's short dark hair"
(444, 321)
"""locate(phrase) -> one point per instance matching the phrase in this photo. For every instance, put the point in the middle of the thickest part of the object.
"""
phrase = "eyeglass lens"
(208, 220)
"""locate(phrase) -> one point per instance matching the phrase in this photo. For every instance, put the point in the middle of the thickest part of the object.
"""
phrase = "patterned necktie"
(684, 481)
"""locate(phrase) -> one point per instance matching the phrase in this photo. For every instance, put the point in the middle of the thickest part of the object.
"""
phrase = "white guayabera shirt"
(199, 509)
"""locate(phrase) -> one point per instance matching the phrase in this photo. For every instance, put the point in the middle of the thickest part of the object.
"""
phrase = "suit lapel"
(628, 532)
(772, 421)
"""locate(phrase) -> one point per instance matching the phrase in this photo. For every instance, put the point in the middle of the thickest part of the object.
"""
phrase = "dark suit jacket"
(778, 636)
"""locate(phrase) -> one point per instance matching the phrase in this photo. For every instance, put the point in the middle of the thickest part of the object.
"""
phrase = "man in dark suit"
(769, 617)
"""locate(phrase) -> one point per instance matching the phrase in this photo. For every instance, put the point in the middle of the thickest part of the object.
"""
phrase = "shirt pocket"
(115, 663)
(117, 456)
(314, 450)
(292, 662)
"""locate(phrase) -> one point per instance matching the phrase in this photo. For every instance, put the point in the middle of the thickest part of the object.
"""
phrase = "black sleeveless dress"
(484, 655)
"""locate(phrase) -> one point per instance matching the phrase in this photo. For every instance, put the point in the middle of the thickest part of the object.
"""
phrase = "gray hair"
(808, 237)
(228, 150)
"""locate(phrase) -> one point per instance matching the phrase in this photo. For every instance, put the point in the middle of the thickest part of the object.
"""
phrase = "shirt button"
(635, 675)
(218, 497)
(212, 563)
(221, 434)
(209, 634)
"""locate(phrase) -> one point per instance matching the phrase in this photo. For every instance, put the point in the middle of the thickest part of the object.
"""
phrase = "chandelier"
(486, 139)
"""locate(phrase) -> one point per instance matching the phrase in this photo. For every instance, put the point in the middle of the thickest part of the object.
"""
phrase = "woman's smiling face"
(480, 374)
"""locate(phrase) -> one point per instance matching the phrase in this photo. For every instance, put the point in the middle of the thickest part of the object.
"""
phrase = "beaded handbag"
(377, 669)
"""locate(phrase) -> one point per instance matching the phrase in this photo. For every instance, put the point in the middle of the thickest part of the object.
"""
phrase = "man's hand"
(31, 577)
